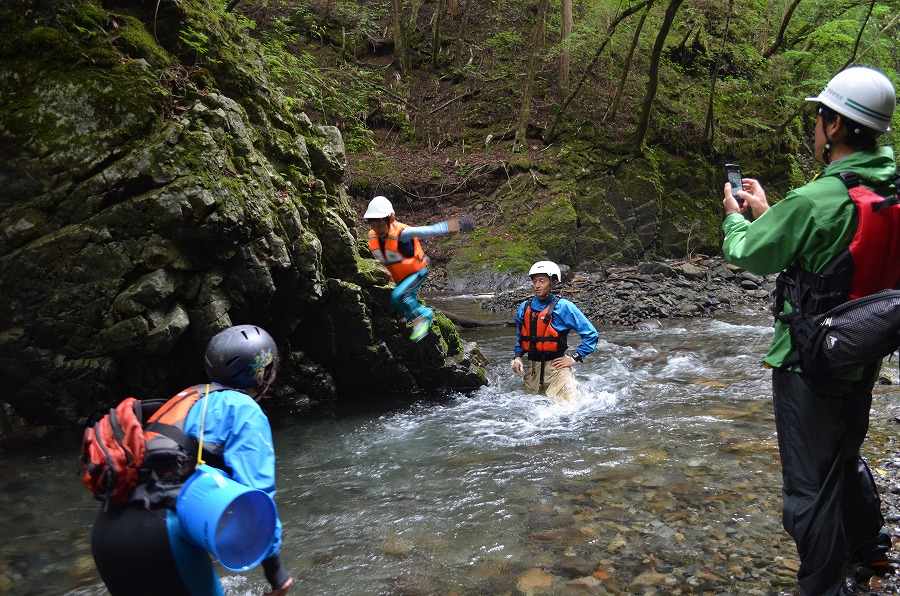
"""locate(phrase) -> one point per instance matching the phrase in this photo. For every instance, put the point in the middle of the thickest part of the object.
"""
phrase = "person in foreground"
(139, 547)
(830, 505)
(396, 246)
(542, 324)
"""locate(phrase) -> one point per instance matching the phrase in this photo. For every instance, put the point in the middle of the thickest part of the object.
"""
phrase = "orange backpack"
(112, 453)
(139, 442)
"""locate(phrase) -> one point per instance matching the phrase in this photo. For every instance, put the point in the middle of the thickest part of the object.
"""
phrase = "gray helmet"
(243, 357)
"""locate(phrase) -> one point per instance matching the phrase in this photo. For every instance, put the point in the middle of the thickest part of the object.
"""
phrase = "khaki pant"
(559, 384)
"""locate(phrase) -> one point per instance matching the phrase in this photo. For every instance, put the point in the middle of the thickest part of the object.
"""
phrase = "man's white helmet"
(547, 267)
(379, 208)
(863, 95)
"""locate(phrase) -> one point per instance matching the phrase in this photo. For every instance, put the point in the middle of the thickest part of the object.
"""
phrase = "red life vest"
(875, 247)
(539, 338)
(399, 266)
(870, 263)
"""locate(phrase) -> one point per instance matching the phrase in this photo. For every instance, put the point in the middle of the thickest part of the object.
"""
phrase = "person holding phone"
(736, 181)
(830, 505)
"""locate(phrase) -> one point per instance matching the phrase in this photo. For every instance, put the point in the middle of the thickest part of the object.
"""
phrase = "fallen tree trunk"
(469, 322)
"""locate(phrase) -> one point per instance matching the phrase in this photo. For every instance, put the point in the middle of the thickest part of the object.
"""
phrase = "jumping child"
(396, 246)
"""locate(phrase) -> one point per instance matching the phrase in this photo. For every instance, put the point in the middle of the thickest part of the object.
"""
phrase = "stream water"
(661, 477)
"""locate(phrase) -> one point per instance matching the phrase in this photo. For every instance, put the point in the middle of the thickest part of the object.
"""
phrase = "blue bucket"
(233, 522)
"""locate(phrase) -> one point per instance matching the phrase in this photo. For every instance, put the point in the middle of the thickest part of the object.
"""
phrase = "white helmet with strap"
(863, 95)
(548, 268)
(379, 208)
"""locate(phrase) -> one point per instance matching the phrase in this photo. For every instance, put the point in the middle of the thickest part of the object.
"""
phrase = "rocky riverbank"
(647, 293)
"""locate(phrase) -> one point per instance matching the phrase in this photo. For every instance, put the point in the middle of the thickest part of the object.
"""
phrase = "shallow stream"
(662, 477)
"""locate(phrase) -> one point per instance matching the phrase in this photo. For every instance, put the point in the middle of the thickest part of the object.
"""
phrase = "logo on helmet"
(259, 365)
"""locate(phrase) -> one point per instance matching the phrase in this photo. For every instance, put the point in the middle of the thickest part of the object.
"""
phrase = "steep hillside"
(430, 94)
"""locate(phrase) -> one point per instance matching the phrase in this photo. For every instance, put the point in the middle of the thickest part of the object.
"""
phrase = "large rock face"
(141, 213)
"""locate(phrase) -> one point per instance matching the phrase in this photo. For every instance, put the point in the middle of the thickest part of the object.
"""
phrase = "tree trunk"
(627, 67)
(401, 49)
(862, 28)
(637, 139)
(527, 92)
(709, 131)
(564, 56)
(779, 39)
(463, 26)
(587, 71)
(436, 38)
(326, 12)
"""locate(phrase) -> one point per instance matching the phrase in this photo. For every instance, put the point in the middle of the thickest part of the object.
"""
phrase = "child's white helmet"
(379, 208)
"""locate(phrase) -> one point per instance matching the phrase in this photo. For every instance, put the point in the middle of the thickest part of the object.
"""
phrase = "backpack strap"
(891, 201)
(850, 179)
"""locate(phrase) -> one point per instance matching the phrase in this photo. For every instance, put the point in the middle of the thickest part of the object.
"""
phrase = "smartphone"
(733, 171)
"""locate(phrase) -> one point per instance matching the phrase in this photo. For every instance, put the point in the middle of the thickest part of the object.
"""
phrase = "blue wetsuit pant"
(405, 296)
(830, 505)
(143, 552)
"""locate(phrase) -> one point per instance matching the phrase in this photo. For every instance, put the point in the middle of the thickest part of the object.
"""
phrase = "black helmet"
(243, 357)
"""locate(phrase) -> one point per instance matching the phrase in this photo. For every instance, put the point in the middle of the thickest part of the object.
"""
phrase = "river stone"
(533, 580)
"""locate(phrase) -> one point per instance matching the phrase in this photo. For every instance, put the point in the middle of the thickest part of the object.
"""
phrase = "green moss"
(88, 14)
(554, 224)
(47, 42)
(451, 344)
(369, 271)
(137, 42)
(486, 251)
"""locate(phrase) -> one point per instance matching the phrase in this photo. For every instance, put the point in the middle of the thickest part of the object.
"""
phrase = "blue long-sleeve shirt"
(236, 428)
(405, 240)
(566, 316)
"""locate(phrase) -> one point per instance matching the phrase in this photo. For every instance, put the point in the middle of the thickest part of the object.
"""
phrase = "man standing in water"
(542, 324)
(816, 234)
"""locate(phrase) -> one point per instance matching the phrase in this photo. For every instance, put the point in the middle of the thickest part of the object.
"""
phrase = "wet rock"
(588, 582)
(533, 580)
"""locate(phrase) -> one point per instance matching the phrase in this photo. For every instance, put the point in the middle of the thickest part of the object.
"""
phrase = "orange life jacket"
(170, 453)
(539, 338)
(399, 266)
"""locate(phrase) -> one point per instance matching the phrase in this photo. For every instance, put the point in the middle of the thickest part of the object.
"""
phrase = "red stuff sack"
(112, 453)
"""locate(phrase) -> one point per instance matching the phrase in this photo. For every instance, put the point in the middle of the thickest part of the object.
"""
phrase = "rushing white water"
(663, 473)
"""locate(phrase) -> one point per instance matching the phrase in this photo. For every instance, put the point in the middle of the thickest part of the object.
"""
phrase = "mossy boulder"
(139, 219)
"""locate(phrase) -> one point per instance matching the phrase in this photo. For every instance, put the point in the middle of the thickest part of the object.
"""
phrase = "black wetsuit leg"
(133, 553)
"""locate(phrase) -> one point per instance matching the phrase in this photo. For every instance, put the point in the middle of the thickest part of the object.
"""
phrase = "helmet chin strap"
(826, 151)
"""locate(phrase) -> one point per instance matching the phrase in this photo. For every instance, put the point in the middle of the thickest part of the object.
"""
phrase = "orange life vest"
(539, 338)
(399, 266)
(170, 453)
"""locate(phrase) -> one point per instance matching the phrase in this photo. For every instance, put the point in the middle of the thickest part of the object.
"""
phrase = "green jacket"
(812, 225)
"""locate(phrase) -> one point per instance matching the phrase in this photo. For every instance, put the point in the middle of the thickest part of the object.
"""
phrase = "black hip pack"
(848, 336)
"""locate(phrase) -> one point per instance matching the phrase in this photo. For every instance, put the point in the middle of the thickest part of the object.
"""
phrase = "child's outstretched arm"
(451, 226)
